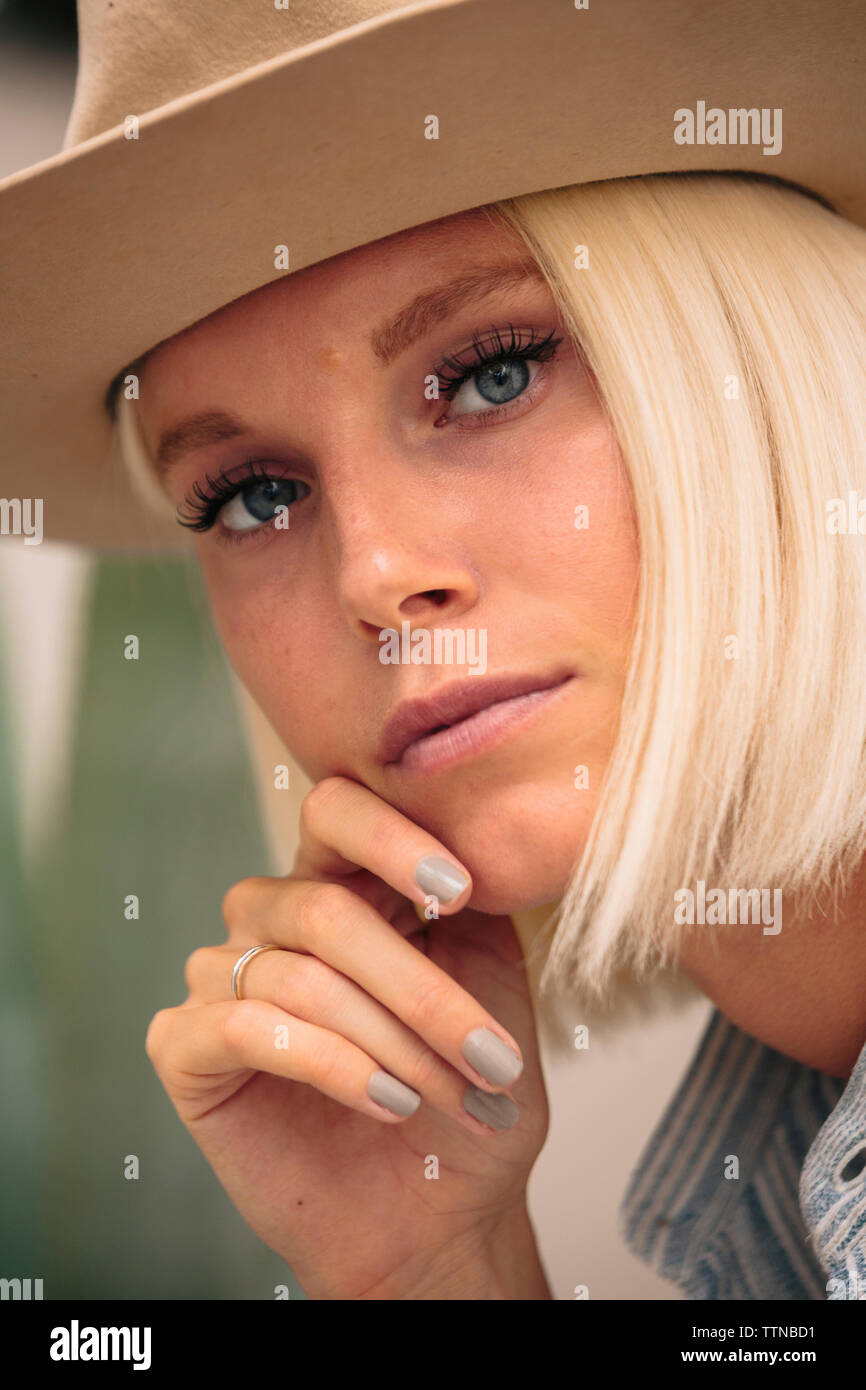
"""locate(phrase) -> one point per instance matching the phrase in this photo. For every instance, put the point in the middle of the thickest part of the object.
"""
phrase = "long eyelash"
(213, 497)
(204, 503)
(491, 348)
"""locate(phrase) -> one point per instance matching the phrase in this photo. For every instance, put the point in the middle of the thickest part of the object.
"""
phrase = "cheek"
(286, 654)
(569, 531)
(262, 636)
(606, 550)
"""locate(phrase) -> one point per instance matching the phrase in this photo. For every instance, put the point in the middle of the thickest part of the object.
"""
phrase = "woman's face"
(371, 504)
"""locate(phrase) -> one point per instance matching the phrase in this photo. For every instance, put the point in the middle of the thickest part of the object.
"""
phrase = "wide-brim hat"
(204, 136)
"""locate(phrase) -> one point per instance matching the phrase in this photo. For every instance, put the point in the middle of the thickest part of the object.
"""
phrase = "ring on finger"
(241, 962)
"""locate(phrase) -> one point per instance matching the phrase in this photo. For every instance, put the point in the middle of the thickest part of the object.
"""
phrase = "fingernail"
(492, 1058)
(386, 1090)
(499, 1112)
(439, 876)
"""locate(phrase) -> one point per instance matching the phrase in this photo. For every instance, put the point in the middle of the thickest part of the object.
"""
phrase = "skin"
(804, 991)
(467, 524)
(302, 610)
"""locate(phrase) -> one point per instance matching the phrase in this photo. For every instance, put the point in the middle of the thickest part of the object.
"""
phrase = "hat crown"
(137, 55)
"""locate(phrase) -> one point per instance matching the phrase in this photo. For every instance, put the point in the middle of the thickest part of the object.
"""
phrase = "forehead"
(365, 281)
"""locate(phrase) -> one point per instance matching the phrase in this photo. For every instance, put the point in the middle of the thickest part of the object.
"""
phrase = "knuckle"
(237, 901)
(194, 967)
(324, 1060)
(428, 1001)
(322, 909)
(388, 839)
(308, 980)
(317, 800)
(424, 1070)
(239, 1025)
(155, 1035)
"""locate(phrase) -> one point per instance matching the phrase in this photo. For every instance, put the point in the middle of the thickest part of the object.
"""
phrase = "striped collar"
(753, 1183)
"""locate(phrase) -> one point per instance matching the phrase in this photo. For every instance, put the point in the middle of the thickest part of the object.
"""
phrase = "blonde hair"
(132, 452)
(723, 319)
(725, 322)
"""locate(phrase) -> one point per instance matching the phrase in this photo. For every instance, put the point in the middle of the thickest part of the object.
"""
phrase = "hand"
(274, 1087)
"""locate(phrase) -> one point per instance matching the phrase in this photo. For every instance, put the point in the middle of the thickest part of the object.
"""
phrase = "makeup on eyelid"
(204, 504)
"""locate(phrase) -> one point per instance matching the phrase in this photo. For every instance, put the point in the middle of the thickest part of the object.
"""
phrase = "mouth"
(464, 719)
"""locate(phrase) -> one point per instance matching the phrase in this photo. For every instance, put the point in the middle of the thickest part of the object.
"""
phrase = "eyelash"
(212, 498)
(203, 504)
(532, 350)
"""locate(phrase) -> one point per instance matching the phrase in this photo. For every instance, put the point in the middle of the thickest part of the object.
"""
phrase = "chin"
(497, 901)
(520, 843)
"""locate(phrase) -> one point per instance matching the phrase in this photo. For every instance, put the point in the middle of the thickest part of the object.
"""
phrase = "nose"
(399, 555)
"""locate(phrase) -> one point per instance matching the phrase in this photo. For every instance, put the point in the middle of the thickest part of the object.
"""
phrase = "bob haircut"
(723, 317)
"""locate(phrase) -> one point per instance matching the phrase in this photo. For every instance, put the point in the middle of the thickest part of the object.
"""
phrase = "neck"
(802, 991)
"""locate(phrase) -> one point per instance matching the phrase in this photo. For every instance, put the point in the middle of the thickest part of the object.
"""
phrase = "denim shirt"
(753, 1183)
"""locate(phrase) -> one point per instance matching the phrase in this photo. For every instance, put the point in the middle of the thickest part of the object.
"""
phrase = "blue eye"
(250, 506)
(502, 381)
(242, 504)
(500, 371)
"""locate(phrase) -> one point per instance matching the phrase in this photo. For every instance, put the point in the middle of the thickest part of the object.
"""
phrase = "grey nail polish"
(440, 877)
(386, 1090)
(499, 1112)
(491, 1057)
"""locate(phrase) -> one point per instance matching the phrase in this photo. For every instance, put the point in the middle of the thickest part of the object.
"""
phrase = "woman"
(345, 502)
(595, 435)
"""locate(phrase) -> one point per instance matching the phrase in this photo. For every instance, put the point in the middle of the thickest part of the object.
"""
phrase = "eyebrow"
(209, 427)
(432, 306)
(388, 342)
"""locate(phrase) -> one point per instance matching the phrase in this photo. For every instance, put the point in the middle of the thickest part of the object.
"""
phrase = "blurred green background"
(155, 798)
(160, 802)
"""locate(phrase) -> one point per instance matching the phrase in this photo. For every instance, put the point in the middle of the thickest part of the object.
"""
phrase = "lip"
(490, 705)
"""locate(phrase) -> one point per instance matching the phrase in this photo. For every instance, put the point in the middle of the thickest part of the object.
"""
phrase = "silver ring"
(239, 965)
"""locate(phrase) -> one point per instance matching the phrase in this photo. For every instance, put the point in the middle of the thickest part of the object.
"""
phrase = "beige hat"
(203, 137)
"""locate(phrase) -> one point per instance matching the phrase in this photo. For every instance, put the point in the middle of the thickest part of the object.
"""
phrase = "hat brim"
(116, 245)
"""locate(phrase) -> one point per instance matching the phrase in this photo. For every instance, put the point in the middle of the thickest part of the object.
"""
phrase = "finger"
(330, 922)
(252, 1033)
(308, 989)
(344, 825)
